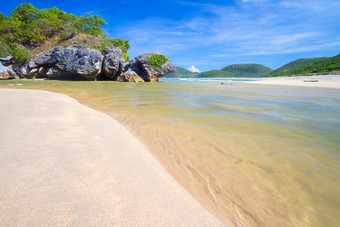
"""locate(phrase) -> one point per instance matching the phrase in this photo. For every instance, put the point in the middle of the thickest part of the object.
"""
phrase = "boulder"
(9, 60)
(12, 74)
(49, 58)
(3, 72)
(24, 71)
(113, 62)
(42, 72)
(33, 73)
(32, 64)
(76, 63)
(87, 63)
(56, 73)
(6, 73)
(154, 73)
(63, 56)
(130, 76)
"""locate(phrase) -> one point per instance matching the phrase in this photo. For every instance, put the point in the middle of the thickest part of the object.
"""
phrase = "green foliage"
(92, 24)
(238, 70)
(181, 73)
(25, 12)
(214, 74)
(5, 50)
(157, 60)
(123, 44)
(30, 27)
(246, 70)
(307, 66)
(20, 54)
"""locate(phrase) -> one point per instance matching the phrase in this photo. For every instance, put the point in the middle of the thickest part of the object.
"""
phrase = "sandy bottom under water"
(254, 155)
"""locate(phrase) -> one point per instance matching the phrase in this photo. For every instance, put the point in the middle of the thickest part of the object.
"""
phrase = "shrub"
(157, 60)
(123, 44)
(20, 54)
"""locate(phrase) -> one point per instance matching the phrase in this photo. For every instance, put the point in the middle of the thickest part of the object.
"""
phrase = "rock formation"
(76, 63)
(6, 71)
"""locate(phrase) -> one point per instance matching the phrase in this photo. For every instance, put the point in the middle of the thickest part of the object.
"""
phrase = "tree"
(92, 24)
(25, 12)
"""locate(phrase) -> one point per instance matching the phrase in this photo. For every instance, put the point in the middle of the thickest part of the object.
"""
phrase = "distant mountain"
(181, 73)
(246, 70)
(307, 66)
(238, 70)
(213, 73)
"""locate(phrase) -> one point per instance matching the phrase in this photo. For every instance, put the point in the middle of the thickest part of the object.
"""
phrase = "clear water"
(254, 155)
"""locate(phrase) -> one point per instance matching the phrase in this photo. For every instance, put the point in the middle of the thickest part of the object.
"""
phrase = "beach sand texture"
(324, 81)
(62, 163)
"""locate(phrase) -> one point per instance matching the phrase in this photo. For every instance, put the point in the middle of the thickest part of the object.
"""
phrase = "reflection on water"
(254, 155)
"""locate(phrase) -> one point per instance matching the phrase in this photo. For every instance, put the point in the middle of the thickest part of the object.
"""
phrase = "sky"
(205, 35)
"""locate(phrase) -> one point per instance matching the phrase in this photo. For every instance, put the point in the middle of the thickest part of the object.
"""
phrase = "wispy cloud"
(220, 31)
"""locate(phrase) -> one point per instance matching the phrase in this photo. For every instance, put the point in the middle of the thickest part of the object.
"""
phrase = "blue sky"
(213, 34)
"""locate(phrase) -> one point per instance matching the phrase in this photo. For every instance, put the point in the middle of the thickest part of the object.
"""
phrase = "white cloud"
(194, 69)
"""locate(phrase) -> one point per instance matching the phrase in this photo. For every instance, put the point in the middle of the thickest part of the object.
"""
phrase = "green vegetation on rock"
(157, 60)
(123, 44)
(29, 28)
(308, 66)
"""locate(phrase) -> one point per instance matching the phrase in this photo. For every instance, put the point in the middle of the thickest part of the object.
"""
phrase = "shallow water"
(254, 155)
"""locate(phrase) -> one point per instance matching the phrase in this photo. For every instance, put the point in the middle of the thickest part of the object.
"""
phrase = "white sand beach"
(65, 164)
(323, 81)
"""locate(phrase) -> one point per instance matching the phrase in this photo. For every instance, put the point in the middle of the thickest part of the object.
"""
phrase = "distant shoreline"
(315, 80)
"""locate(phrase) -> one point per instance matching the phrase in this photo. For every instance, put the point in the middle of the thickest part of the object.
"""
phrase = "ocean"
(253, 155)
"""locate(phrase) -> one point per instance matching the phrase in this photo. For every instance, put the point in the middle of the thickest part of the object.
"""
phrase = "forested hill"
(238, 70)
(29, 30)
(308, 66)
(246, 70)
(181, 72)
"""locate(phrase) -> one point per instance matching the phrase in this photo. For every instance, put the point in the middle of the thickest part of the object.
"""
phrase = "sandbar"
(65, 164)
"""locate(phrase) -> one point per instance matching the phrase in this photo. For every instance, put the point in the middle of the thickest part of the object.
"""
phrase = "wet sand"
(62, 163)
(325, 81)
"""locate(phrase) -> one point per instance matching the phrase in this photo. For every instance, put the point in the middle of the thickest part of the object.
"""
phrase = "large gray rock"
(56, 73)
(9, 60)
(153, 73)
(87, 63)
(130, 76)
(62, 57)
(24, 71)
(75, 63)
(6, 73)
(48, 59)
(113, 62)
(3, 72)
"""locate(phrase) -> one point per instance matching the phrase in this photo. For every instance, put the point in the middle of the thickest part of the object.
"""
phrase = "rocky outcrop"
(113, 62)
(154, 73)
(9, 60)
(76, 63)
(6, 73)
(86, 63)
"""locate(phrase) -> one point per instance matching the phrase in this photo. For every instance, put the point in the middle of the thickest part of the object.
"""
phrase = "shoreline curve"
(64, 163)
